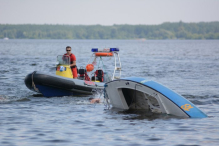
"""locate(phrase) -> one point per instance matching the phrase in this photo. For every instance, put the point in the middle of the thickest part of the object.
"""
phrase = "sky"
(107, 12)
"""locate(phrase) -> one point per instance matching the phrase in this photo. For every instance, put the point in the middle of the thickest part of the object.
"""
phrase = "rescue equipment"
(104, 54)
(90, 67)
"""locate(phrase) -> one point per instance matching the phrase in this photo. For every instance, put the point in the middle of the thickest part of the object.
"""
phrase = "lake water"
(189, 67)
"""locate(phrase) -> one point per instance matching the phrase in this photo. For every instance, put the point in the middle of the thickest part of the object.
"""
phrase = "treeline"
(179, 30)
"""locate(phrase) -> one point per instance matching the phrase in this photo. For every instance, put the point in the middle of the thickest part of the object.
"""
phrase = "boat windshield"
(63, 59)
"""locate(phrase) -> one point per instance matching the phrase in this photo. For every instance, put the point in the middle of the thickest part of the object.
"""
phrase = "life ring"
(104, 54)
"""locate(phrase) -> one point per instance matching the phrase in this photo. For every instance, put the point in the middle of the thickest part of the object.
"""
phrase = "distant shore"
(179, 30)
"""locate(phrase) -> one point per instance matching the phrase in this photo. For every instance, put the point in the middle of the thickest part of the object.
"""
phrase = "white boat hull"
(138, 93)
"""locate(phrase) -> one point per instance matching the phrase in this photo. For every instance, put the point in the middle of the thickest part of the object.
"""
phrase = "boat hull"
(53, 85)
(139, 93)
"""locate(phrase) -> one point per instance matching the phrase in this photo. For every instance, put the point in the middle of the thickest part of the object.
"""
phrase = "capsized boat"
(140, 93)
(90, 79)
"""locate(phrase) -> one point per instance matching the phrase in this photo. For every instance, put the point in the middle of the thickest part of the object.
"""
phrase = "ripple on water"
(188, 67)
(54, 141)
(8, 99)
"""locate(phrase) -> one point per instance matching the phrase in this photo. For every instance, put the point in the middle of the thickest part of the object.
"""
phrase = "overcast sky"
(107, 12)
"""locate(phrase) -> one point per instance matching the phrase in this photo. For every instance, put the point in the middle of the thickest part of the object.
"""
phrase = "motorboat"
(90, 78)
(143, 94)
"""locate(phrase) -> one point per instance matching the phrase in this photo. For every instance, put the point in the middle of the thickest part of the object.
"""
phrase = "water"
(191, 68)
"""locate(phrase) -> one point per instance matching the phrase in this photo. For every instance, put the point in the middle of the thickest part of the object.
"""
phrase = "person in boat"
(72, 62)
(94, 100)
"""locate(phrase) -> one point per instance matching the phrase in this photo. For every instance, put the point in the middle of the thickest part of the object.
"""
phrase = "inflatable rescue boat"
(90, 79)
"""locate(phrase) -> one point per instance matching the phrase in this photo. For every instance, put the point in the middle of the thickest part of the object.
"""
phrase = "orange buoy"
(89, 67)
(104, 54)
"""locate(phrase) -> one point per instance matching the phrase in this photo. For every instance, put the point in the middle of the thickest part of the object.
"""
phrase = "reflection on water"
(133, 114)
(188, 67)
(142, 115)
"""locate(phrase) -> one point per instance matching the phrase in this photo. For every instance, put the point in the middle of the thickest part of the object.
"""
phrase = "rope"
(99, 62)
(33, 85)
(106, 99)
(96, 91)
(104, 69)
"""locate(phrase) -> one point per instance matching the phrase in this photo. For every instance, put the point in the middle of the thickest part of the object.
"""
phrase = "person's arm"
(95, 100)
(73, 64)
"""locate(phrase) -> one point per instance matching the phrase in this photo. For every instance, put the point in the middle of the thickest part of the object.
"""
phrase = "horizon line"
(101, 24)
